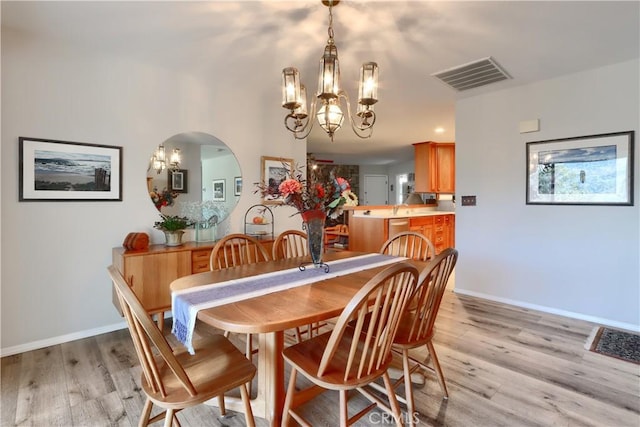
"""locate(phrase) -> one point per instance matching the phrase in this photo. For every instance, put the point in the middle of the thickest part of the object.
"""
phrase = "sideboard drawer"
(200, 260)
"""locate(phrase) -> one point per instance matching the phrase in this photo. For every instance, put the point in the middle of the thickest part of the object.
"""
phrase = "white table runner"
(187, 302)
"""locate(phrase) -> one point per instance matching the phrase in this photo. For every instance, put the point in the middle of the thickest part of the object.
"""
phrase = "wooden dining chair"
(289, 244)
(409, 244)
(237, 249)
(349, 358)
(417, 326)
(234, 250)
(174, 379)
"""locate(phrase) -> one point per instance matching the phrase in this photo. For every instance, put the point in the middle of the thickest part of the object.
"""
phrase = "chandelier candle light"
(329, 113)
(159, 159)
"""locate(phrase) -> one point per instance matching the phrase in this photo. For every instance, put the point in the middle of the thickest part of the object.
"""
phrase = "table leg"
(271, 375)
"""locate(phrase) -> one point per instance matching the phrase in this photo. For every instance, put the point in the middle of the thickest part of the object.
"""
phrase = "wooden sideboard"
(149, 272)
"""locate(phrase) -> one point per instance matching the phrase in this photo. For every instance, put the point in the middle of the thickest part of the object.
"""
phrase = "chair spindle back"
(369, 322)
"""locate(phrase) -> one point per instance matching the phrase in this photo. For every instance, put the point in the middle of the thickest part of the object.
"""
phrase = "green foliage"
(172, 223)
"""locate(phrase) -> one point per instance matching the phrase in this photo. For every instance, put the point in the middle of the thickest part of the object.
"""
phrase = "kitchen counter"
(402, 213)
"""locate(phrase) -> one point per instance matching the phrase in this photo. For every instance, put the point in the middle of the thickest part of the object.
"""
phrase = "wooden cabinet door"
(423, 225)
(434, 167)
(367, 234)
(150, 276)
(446, 168)
(421, 168)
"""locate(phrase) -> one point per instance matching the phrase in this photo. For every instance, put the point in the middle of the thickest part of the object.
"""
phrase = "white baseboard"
(35, 345)
(544, 309)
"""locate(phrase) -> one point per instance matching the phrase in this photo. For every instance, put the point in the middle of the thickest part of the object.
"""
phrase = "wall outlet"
(468, 200)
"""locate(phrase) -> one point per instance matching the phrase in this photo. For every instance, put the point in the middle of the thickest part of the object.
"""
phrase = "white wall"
(577, 260)
(55, 254)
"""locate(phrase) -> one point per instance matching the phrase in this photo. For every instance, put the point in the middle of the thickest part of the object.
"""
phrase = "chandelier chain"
(330, 29)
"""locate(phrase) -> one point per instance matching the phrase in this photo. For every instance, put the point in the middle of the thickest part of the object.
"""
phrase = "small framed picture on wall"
(237, 185)
(177, 180)
(218, 190)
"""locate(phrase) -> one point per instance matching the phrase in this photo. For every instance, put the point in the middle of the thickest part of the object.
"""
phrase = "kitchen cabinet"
(435, 167)
(367, 233)
(437, 228)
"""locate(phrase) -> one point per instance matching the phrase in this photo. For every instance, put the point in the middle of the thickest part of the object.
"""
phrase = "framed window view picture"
(585, 170)
(178, 180)
(274, 170)
(52, 170)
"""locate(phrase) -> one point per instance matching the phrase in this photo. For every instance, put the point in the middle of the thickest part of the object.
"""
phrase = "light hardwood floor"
(504, 366)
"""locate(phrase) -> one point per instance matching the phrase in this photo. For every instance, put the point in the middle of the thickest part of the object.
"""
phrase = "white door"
(376, 190)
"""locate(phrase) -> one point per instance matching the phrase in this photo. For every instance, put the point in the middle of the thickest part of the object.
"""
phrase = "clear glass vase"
(314, 224)
(205, 231)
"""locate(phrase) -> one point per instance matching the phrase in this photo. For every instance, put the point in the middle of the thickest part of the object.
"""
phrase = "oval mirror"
(194, 174)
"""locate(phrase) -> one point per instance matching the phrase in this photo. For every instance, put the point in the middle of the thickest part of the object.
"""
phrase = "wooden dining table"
(272, 314)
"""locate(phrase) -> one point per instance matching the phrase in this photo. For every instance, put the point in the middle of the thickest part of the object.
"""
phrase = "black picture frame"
(584, 170)
(237, 185)
(62, 171)
(219, 190)
(177, 180)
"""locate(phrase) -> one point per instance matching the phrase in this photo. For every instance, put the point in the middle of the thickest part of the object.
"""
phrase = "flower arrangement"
(162, 198)
(307, 195)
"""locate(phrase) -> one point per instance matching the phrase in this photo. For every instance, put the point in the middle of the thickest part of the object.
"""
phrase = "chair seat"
(216, 367)
(306, 357)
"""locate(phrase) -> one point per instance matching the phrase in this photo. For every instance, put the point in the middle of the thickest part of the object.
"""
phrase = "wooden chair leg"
(146, 413)
(248, 347)
(168, 419)
(395, 406)
(408, 386)
(160, 321)
(246, 399)
(436, 367)
(344, 414)
(288, 401)
(223, 409)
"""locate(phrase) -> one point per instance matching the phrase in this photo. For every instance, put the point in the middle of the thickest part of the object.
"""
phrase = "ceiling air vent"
(474, 74)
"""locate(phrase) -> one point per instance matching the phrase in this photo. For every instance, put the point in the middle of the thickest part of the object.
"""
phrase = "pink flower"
(290, 186)
(343, 184)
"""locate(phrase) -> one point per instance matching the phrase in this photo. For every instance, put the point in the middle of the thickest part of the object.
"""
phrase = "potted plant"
(173, 226)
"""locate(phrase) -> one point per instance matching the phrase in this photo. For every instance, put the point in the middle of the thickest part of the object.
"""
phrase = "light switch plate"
(468, 200)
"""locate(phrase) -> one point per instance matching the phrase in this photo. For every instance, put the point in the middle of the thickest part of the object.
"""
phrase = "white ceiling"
(410, 40)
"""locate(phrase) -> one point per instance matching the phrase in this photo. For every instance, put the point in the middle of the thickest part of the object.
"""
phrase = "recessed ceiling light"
(439, 129)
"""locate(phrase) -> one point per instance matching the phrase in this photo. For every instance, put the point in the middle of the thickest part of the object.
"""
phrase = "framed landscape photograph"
(218, 190)
(274, 170)
(178, 180)
(586, 170)
(52, 170)
(237, 185)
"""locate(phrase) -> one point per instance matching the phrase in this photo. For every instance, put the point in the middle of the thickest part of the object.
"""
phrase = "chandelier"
(327, 106)
(159, 159)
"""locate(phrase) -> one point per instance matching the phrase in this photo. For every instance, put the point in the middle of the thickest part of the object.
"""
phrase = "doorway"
(375, 190)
